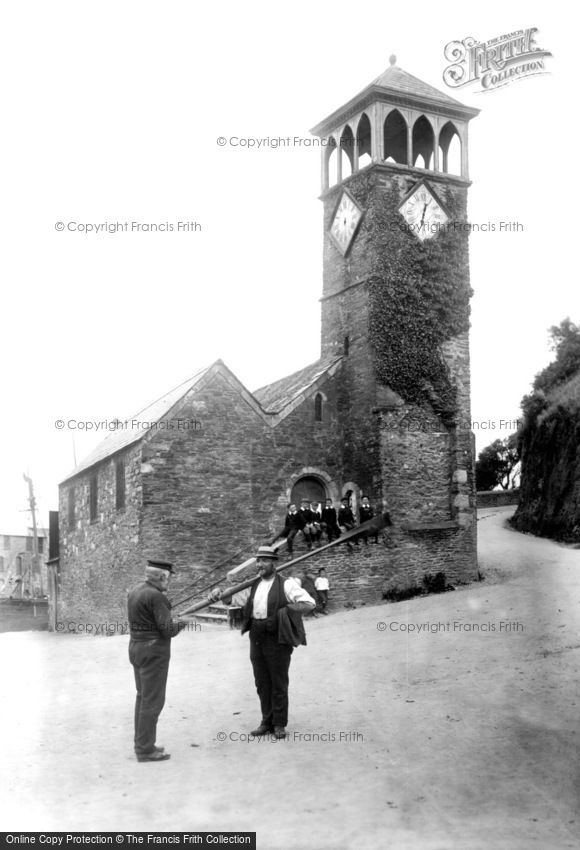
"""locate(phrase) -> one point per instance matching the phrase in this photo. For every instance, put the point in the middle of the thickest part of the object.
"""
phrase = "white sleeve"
(295, 593)
(242, 597)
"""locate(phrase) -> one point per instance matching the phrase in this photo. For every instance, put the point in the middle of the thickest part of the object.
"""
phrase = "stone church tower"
(383, 413)
(395, 299)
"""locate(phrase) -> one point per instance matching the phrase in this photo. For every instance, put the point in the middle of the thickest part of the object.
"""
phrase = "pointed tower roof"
(400, 88)
(400, 81)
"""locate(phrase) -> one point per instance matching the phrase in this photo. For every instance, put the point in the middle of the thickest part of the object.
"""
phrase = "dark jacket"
(307, 515)
(365, 513)
(294, 521)
(329, 517)
(345, 517)
(149, 614)
(290, 627)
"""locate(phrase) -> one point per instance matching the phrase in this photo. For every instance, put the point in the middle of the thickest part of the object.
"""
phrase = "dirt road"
(444, 737)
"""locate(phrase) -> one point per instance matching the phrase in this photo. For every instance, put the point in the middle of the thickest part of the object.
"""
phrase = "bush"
(436, 583)
(399, 594)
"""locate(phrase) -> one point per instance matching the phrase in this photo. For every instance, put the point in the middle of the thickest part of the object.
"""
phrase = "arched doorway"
(308, 487)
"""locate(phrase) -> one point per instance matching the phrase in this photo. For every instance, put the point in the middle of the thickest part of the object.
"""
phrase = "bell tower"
(395, 300)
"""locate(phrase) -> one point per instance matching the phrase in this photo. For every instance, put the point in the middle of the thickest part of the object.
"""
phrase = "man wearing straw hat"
(272, 609)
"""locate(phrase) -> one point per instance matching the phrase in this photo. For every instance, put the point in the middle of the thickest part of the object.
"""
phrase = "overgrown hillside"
(550, 445)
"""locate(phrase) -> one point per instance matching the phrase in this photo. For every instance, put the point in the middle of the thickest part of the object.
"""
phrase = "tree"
(496, 463)
(565, 343)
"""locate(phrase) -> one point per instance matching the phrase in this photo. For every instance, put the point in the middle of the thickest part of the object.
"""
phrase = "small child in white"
(322, 586)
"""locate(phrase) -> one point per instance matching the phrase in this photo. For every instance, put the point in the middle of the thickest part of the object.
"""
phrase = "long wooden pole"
(374, 524)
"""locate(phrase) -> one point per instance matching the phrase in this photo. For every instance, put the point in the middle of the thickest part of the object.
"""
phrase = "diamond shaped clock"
(345, 222)
(423, 211)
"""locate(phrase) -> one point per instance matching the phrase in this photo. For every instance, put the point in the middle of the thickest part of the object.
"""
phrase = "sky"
(112, 113)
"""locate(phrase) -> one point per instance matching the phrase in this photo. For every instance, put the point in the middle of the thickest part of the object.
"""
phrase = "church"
(384, 412)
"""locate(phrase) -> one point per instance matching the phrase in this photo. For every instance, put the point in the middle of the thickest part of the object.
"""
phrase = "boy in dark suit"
(329, 521)
(346, 520)
(365, 513)
(308, 527)
(294, 523)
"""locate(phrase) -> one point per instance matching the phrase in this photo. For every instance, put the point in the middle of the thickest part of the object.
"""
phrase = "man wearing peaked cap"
(163, 565)
(267, 606)
(151, 628)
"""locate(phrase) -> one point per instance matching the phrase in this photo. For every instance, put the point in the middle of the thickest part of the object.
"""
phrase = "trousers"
(150, 660)
(271, 663)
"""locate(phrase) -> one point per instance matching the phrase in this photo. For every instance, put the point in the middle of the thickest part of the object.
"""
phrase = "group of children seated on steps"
(313, 522)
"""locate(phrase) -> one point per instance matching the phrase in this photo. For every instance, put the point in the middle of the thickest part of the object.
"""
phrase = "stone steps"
(338, 561)
(216, 613)
(206, 617)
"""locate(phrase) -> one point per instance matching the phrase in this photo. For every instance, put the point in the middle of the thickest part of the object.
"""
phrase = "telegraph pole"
(35, 565)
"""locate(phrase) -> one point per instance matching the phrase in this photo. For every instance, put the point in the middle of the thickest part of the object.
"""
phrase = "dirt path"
(443, 738)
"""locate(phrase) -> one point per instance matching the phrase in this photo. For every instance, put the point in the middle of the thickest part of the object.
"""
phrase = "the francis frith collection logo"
(496, 62)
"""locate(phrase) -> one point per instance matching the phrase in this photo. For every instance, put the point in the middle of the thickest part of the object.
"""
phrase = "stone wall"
(100, 560)
(497, 498)
(337, 450)
(198, 509)
(400, 560)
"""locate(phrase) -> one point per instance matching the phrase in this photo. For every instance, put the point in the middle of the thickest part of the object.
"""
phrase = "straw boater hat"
(267, 552)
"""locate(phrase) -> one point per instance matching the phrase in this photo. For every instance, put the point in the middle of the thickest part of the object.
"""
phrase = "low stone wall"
(497, 498)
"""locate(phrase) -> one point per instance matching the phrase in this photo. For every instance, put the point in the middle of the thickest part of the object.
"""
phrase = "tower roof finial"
(392, 59)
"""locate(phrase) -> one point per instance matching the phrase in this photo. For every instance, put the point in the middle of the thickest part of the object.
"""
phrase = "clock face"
(345, 222)
(423, 212)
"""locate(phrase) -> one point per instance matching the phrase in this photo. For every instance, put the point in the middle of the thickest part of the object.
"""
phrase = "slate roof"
(396, 83)
(123, 437)
(267, 402)
(274, 397)
(395, 78)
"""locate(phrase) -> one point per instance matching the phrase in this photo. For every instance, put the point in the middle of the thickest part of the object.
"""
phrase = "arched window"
(347, 152)
(318, 404)
(395, 138)
(363, 134)
(423, 142)
(330, 163)
(450, 149)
